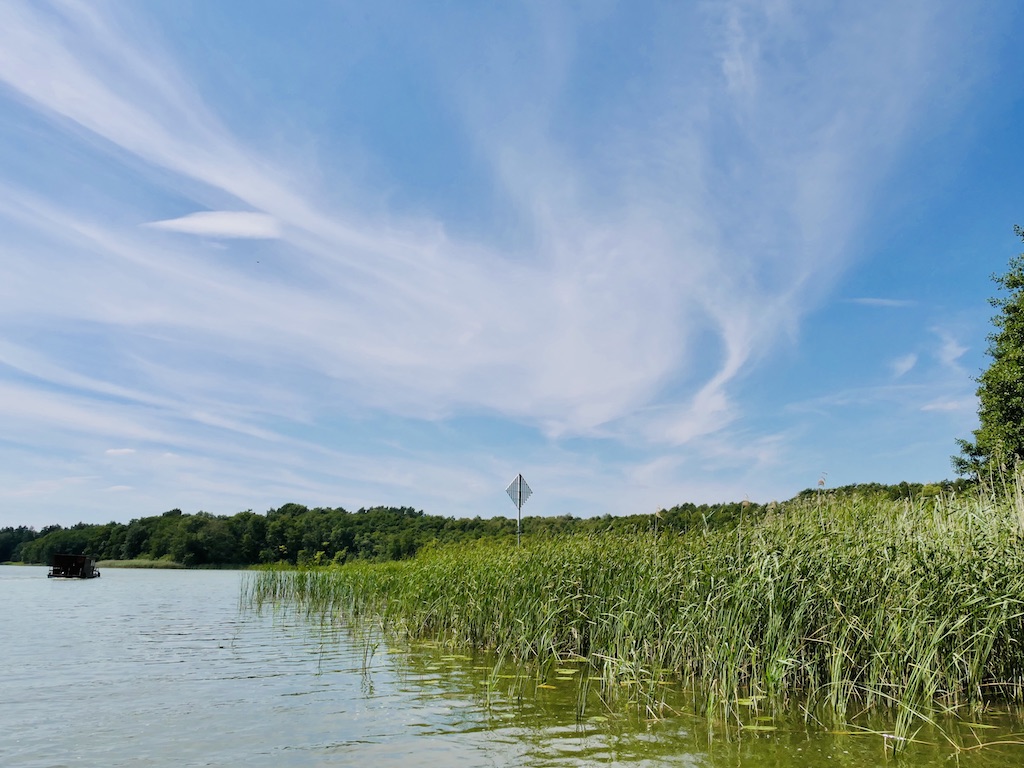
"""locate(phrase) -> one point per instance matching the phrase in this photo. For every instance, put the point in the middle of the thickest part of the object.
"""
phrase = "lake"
(169, 668)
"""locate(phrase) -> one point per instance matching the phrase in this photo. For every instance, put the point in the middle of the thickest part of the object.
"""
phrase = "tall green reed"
(841, 605)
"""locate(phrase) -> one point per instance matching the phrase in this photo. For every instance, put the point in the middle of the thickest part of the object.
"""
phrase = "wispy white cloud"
(903, 364)
(664, 255)
(950, 349)
(968, 404)
(740, 54)
(879, 302)
(598, 297)
(44, 487)
(227, 224)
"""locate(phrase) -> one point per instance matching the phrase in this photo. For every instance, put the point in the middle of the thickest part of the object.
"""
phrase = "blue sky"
(351, 254)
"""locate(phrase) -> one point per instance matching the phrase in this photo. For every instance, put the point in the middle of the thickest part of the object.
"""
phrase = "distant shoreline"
(168, 565)
(140, 563)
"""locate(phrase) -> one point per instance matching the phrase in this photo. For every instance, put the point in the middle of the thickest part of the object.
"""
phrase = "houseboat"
(73, 567)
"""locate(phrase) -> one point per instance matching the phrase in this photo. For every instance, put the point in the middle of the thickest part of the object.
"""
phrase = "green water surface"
(567, 714)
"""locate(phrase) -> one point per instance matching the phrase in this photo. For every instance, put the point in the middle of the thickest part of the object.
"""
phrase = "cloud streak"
(228, 224)
(902, 365)
(879, 302)
(671, 234)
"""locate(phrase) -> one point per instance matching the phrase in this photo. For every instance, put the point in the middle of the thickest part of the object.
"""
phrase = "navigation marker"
(519, 492)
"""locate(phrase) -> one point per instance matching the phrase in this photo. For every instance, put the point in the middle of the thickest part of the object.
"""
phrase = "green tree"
(999, 440)
(12, 539)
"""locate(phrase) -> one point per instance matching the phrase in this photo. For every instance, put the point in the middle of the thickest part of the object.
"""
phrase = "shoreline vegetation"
(843, 605)
(298, 535)
(141, 563)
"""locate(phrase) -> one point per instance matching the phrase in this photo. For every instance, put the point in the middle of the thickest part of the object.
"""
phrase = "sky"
(395, 253)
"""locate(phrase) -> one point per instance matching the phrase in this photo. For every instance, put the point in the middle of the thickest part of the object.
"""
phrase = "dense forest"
(302, 536)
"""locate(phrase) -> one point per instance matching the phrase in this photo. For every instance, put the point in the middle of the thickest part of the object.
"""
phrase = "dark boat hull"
(73, 567)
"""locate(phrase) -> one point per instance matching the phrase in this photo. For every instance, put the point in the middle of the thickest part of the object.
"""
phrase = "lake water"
(166, 668)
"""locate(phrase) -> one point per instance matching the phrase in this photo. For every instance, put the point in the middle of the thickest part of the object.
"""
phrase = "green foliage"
(901, 491)
(298, 535)
(849, 603)
(999, 440)
(12, 540)
(291, 534)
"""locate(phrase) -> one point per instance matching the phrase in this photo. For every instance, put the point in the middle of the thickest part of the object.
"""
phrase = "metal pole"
(519, 511)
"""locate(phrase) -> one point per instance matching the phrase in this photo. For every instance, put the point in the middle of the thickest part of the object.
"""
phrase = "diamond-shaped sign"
(518, 491)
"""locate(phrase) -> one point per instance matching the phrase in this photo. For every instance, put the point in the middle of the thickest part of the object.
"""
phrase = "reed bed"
(843, 605)
(140, 563)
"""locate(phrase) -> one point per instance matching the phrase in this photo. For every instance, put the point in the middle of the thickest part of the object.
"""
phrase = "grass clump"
(844, 605)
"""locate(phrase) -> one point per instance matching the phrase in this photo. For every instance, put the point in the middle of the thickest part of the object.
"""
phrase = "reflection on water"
(164, 668)
(539, 717)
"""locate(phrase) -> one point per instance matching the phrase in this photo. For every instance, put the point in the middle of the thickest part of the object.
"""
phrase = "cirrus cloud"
(225, 224)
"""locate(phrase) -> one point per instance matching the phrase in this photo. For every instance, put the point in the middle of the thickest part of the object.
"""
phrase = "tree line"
(300, 535)
(291, 534)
